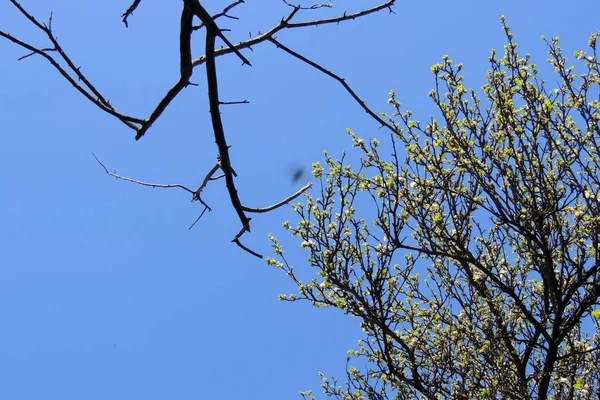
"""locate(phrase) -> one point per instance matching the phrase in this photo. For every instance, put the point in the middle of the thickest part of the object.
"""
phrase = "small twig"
(222, 14)
(281, 203)
(207, 178)
(33, 52)
(93, 94)
(130, 11)
(155, 185)
(200, 216)
(254, 253)
(225, 103)
(211, 25)
(341, 80)
(286, 24)
(236, 240)
(313, 7)
(195, 195)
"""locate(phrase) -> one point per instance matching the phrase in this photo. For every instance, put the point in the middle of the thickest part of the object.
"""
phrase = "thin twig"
(154, 185)
(209, 22)
(236, 240)
(93, 95)
(199, 216)
(222, 13)
(341, 80)
(254, 253)
(207, 178)
(286, 24)
(130, 11)
(281, 203)
(226, 103)
(300, 7)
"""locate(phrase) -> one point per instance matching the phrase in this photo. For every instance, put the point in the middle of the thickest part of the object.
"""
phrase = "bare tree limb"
(286, 24)
(212, 31)
(130, 11)
(154, 185)
(341, 80)
(281, 203)
(185, 70)
(222, 13)
(199, 216)
(207, 178)
(91, 93)
(236, 240)
(191, 9)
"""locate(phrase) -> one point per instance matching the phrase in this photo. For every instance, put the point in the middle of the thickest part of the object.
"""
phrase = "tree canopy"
(468, 245)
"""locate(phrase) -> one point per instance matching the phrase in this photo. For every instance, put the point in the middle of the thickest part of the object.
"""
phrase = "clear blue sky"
(104, 293)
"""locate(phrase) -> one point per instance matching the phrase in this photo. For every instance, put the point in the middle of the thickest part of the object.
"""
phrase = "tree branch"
(281, 203)
(286, 24)
(130, 11)
(341, 80)
(154, 185)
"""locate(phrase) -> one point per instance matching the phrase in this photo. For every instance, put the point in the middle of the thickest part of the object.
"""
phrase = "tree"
(472, 259)
(194, 18)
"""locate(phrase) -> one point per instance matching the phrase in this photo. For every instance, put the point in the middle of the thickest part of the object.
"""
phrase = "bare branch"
(91, 93)
(199, 216)
(286, 24)
(212, 31)
(207, 178)
(130, 11)
(236, 240)
(281, 203)
(228, 103)
(339, 79)
(185, 70)
(222, 13)
(191, 9)
(300, 7)
(209, 22)
(154, 185)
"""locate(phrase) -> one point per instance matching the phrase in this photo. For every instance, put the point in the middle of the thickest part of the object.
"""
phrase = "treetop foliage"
(479, 274)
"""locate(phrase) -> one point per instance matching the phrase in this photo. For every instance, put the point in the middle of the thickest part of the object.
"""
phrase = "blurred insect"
(296, 173)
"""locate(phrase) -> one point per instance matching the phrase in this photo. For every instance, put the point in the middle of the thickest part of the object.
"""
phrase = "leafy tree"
(472, 258)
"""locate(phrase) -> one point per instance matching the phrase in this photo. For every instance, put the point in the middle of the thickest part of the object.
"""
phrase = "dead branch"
(187, 64)
(199, 216)
(185, 53)
(185, 70)
(212, 32)
(281, 203)
(91, 93)
(154, 185)
(207, 178)
(222, 13)
(286, 24)
(130, 11)
(341, 80)
(313, 7)
(236, 240)
(191, 9)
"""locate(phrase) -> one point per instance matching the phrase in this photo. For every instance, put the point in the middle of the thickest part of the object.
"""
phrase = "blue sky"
(104, 293)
